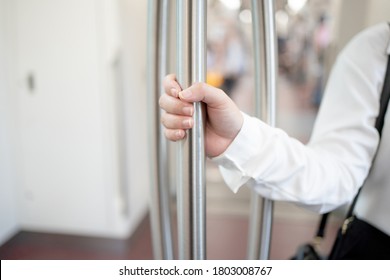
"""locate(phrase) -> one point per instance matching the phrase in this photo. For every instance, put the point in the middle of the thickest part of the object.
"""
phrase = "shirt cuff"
(246, 144)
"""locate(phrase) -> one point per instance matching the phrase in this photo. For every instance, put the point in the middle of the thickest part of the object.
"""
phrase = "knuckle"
(220, 91)
(170, 135)
(163, 119)
(167, 134)
(161, 101)
(200, 86)
(168, 78)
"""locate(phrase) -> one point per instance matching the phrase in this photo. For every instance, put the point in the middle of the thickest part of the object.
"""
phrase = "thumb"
(205, 93)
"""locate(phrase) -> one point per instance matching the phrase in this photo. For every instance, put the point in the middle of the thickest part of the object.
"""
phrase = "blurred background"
(74, 168)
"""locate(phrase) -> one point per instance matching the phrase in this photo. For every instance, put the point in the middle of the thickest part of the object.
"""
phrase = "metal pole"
(272, 72)
(157, 69)
(199, 24)
(184, 195)
(163, 159)
(253, 249)
(191, 68)
(264, 34)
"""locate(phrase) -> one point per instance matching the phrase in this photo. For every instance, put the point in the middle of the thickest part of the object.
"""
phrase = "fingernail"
(174, 92)
(185, 94)
(179, 134)
(187, 111)
(187, 123)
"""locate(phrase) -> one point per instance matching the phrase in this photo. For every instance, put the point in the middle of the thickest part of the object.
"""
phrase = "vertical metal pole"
(254, 231)
(163, 160)
(191, 68)
(199, 24)
(152, 88)
(271, 80)
(184, 195)
(264, 34)
(157, 68)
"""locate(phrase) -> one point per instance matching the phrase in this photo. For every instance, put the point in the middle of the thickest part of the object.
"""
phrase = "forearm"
(281, 168)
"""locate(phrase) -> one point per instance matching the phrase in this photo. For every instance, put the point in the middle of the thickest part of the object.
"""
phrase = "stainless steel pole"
(199, 30)
(253, 249)
(264, 38)
(184, 194)
(271, 83)
(163, 158)
(157, 69)
(191, 50)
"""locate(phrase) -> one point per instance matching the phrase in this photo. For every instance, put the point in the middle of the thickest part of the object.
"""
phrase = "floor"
(226, 239)
(227, 213)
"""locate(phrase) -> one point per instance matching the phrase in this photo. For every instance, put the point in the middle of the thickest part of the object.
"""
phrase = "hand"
(224, 119)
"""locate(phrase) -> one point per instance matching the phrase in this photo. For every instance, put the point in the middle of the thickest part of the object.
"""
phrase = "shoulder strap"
(384, 102)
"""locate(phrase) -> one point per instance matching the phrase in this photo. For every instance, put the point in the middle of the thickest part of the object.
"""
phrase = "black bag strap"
(384, 102)
(321, 226)
(379, 123)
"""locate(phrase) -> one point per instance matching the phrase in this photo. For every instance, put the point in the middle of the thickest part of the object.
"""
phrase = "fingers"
(171, 86)
(176, 122)
(174, 134)
(177, 116)
(176, 126)
(197, 92)
(212, 96)
(178, 106)
(175, 106)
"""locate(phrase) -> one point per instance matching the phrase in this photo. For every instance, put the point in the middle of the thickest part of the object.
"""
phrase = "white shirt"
(328, 171)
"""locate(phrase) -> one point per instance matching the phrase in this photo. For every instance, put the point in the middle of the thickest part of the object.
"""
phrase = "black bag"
(307, 252)
(360, 241)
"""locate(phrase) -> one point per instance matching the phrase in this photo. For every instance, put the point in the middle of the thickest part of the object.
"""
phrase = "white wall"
(64, 172)
(70, 172)
(351, 16)
(134, 34)
(379, 10)
(8, 212)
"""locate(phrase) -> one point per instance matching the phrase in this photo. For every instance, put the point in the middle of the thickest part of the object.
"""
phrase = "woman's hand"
(224, 119)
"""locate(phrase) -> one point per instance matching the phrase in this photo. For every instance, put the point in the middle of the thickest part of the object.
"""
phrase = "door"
(62, 178)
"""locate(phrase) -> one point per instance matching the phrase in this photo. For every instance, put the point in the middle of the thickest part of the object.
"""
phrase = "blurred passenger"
(320, 42)
(234, 60)
(226, 56)
(298, 45)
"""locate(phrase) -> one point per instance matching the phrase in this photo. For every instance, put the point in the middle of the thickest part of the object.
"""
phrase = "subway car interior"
(80, 138)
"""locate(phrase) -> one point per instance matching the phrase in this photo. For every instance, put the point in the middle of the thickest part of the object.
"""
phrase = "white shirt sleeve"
(328, 171)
